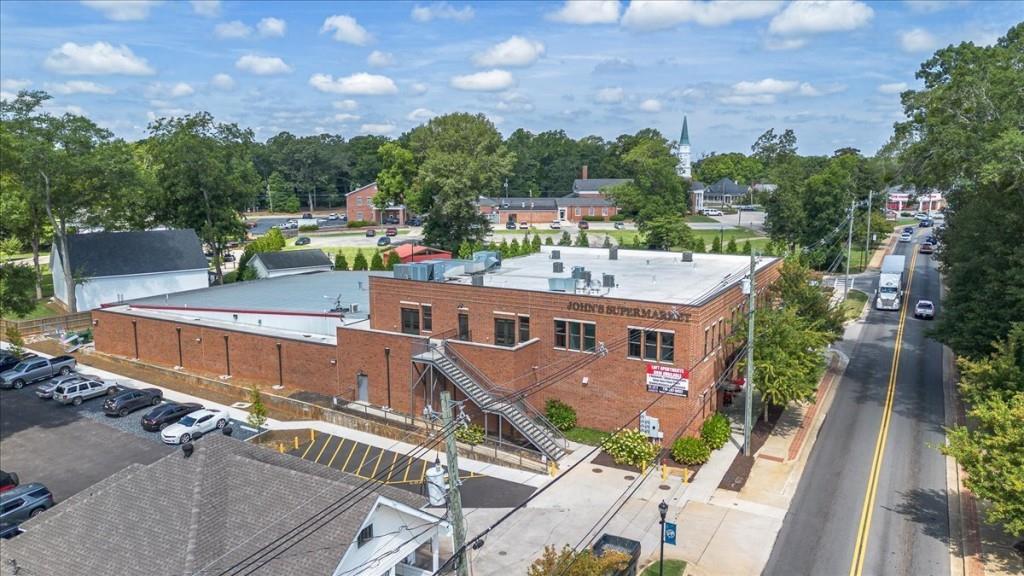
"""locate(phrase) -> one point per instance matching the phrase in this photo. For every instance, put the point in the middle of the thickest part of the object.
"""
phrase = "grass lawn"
(854, 303)
(672, 568)
(586, 435)
(42, 310)
(625, 237)
(699, 218)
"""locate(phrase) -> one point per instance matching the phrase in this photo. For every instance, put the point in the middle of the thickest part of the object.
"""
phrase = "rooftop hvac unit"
(355, 307)
(577, 272)
(613, 253)
(608, 280)
(478, 280)
(561, 284)
(556, 254)
(586, 276)
(401, 271)
(687, 256)
(558, 267)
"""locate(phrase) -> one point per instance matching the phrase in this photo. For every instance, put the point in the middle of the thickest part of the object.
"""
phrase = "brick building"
(605, 331)
(359, 206)
(542, 211)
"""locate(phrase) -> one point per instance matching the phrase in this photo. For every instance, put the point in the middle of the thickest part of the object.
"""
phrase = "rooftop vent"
(578, 271)
(556, 254)
(613, 252)
(478, 280)
(558, 267)
(561, 284)
(608, 280)
(355, 307)
(687, 256)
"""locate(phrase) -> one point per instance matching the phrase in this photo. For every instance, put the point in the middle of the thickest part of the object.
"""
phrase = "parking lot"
(69, 448)
(397, 469)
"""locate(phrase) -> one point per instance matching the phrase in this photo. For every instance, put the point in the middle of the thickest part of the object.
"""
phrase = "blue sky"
(832, 71)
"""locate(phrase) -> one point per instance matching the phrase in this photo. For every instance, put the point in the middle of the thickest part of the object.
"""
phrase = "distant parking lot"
(69, 448)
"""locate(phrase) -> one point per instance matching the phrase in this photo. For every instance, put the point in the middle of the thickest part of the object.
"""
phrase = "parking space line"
(408, 466)
(336, 450)
(350, 453)
(423, 471)
(322, 449)
(391, 469)
(362, 462)
(377, 465)
(308, 448)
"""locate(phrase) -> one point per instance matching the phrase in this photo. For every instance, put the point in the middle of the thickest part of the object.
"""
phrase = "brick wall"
(361, 202)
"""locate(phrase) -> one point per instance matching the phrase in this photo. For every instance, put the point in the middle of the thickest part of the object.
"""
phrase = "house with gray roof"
(111, 267)
(288, 262)
(725, 192)
(230, 504)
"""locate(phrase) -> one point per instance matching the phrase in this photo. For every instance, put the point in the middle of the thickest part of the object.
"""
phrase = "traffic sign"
(670, 533)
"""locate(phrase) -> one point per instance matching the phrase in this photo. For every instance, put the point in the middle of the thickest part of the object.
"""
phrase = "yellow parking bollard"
(686, 475)
(312, 435)
(280, 447)
(296, 442)
(664, 471)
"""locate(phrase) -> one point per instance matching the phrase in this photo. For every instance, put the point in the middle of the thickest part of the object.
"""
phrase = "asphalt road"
(909, 526)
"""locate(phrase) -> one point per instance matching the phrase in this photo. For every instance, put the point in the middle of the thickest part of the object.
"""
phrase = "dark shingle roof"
(726, 186)
(291, 259)
(591, 184)
(179, 515)
(596, 201)
(100, 254)
(519, 203)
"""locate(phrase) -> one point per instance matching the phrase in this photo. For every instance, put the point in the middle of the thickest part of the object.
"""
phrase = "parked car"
(290, 225)
(712, 212)
(129, 401)
(391, 231)
(24, 502)
(620, 225)
(927, 248)
(228, 257)
(302, 241)
(370, 232)
(906, 237)
(414, 221)
(932, 240)
(307, 216)
(924, 309)
(524, 225)
(584, 225)
(194, 425)
(78, 392)
(9, 530)
(166, 414)
(35, 369)
(333, 216)
(555, 225)
(9, 360)
(8, 481)
(383, 241)
(390, 220)
(510, 225)
(45, 391)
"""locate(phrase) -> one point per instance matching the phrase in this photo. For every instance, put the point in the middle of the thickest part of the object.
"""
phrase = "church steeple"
(683, 152)
(684, 138)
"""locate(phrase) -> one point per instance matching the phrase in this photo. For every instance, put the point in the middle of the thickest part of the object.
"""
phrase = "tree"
(549, 241)
(17, 289)
(699, 245)
(514, 249)
(655, 190)
(282, 194)
(730, 247)
(14, 339)
(747, 248)
(206, 177)
(392, 260)
(466, 249)
(359, 262)
(569, 562)
(340, 263)
(666, 232)
(364, 158)
(734, 166)
(716, 245)
(395, 183)
(795, 290)
(991, 447)
(376, 262)
(771, 148)
(582, 239)
(535, 243)
(257, 411)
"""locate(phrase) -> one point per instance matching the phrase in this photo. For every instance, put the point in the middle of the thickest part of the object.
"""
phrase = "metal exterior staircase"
(535, 429)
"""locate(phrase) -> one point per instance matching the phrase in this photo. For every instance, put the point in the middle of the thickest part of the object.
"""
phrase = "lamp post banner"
(668, 380)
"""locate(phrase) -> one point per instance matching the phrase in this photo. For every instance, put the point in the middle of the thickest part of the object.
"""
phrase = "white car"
(712, 212)
(906, 237)
(921, 216)
(924, 310)
(194, 425)
(556, 225)
(333, 216)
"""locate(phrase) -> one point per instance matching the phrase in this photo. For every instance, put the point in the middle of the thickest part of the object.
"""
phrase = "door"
(561, 213)
(463, 326)
(363, 388)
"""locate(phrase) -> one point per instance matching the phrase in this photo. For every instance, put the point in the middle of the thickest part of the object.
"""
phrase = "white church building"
(685, 169)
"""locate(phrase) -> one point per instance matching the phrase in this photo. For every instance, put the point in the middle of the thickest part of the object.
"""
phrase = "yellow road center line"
(350, 453)
(864, 528)
(391, 469)
(326, 444)
(308, 448)
(377, 465)
(336, 450)
(361, 462)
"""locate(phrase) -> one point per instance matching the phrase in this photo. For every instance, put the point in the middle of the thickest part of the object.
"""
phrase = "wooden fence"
(52, 325)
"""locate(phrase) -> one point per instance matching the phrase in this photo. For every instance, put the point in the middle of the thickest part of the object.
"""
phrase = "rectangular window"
(635, 335)
(590, 211)
(650, 345)
(668, 346)
(721, 330)
(604, 211)
(524, 329)
(359, 201)
(504, 332)
(365, 535)
(707, 335)
(589, 337)
(410, 321)
(428, 317)
(574, 335)
(359, 216)
(560, 334)
(579, 210)
(464, 327)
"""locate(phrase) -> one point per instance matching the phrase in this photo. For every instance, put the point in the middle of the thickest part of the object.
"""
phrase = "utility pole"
(867, 237)
(748, 385)
(454, 497)
(849, 248)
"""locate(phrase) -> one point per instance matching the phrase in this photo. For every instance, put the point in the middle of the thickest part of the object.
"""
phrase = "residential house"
(225, 503)
(288, 262)
(725, 192)
(359, 206)
(111, 267)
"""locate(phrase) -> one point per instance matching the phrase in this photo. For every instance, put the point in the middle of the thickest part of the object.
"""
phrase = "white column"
(435, 551)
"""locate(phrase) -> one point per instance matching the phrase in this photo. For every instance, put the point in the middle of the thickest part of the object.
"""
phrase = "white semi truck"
(891, 283)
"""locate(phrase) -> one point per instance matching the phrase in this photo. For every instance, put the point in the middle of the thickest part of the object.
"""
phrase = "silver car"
(24, 502)
(45, 391)
(924, 310)
(77, 392)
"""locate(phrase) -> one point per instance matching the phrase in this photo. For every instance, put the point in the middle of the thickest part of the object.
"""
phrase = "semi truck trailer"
(891, 283)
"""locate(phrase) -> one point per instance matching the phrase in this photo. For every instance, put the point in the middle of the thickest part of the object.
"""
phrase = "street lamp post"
(663, 511)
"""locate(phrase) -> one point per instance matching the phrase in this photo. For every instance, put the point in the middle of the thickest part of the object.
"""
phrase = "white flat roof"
(644, 275)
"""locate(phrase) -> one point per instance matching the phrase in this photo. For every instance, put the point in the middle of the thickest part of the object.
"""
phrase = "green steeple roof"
(684, 138)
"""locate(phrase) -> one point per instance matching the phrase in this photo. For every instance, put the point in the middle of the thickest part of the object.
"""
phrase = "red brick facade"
(359, 206)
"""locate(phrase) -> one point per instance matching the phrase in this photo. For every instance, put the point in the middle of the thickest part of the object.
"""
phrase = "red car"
(8, 480)
(392, 231)
(584, 225)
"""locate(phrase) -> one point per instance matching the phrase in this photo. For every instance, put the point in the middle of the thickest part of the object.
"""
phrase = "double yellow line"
(860, 548)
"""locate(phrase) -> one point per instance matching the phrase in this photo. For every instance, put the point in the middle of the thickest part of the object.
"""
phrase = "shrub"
(730, 247)
(560, 414)
(392, 260)
(230, 277)
(549, 241)
(376, 262)
(565, 240)
(582, 240)
(690, 450)
(14, 339)
(308, 228)
(594, 218)
(472, 434)
(360, 223)
(631, 447)
(617, 218)
(716, 431)
(257, 410)
(359, 262)
(340, 262)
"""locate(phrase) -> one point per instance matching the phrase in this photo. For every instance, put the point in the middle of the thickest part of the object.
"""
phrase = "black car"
(9, 360)
(9, 530)
(510, 225)
(414, 221)
(131, 400)
(908, 229)
(166, 414)
(383, 241)
(584, 225)
(925, 223)
(302, 241)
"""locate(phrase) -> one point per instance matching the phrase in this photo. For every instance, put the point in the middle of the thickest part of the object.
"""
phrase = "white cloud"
(79, 87)
(893, 88)
(208, 8)
(651, 105)
(420, 115)
(233, 29)
(222, 81)
(513, 101)
(122, 10)
(9, 96)
(490, 81)
(160, 91)
(662, 14)
(747, 100)
(272, 27)
(14, 84)
(180, 89)
(380, 59)
(345, 117)
(766, 86)
(93, 59)
(59, 110)
(779, 44)
(345, 105)
(377, 129)
(610, 95)
(496, 119)
(813, 16)
(262, 65)
(347, 30)
(516, 51)
(361, 84)
(419, 88)
(587, 12)
(929, 6)
(441, 11)
(918, 40)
